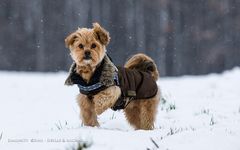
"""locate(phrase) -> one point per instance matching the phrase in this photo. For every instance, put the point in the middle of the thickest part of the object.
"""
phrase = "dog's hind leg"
(141, 114)
(87, 110)
(148, 114)
(132, 114)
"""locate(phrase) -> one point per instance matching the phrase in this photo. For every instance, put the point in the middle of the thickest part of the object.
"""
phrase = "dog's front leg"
(106, 99)
(87, 110)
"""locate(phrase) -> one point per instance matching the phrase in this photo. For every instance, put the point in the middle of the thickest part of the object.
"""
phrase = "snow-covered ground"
(37, 112)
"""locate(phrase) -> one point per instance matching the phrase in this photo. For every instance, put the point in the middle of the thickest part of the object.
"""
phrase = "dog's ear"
(101, 34)
(70, 39)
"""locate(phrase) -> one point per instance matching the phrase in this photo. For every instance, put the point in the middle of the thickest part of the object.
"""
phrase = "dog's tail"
(144, 63)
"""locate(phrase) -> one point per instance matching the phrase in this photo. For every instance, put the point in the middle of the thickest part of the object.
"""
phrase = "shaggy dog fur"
(139, 113)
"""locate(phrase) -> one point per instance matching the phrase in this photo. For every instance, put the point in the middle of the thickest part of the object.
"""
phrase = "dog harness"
(134, 84)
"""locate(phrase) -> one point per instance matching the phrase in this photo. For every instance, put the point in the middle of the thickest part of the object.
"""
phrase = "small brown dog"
(102, 85)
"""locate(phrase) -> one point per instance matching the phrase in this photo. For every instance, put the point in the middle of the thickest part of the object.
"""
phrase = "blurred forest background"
(182, 36)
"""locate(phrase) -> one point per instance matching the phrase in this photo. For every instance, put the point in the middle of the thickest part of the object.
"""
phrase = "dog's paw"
(93, 123)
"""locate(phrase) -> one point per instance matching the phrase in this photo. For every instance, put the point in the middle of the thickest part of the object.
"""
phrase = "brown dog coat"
(134, 84)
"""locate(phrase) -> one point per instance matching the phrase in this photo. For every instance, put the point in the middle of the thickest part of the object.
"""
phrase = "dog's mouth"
(87, 57)
(87, 60)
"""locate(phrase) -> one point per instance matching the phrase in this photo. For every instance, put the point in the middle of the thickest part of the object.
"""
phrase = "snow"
(198, 112)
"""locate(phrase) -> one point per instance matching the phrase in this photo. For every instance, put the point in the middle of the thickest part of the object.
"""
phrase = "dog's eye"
(80, 46)
(93, 45)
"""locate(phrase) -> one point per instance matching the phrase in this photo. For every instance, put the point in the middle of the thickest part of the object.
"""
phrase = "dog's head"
(87, 46)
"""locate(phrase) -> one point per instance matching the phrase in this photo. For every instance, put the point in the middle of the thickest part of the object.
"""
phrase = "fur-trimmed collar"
(106, 74)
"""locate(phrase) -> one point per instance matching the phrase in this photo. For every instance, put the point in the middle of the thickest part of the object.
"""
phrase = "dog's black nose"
(87, 55)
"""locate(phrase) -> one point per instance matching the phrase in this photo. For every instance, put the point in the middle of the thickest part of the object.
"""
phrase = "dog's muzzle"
(87, 55)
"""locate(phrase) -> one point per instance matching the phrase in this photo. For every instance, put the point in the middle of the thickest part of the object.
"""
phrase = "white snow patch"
(200, 112)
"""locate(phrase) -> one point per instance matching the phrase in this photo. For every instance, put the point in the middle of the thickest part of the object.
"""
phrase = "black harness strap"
(94, 88)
